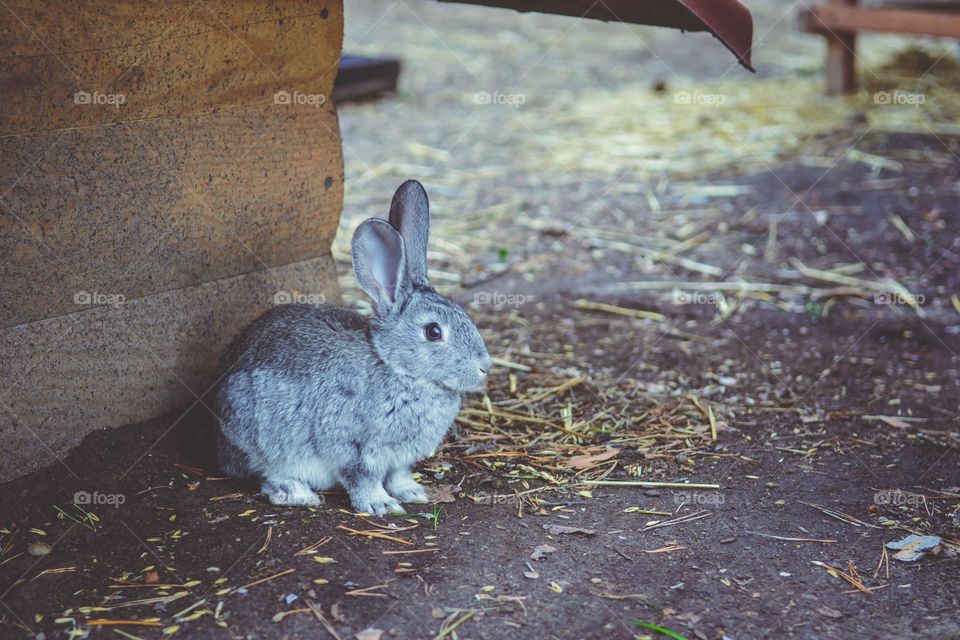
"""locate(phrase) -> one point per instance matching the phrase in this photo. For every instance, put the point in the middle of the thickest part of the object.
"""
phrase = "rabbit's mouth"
(475, 389)
(477, 385)
(464, 385)
(460, 388)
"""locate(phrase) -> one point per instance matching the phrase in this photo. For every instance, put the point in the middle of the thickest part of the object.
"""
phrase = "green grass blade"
(654, 627)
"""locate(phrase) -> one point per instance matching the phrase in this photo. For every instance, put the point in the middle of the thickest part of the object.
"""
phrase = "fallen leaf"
(370, 634)
(913, 547)
(541, 551)
(830, 613)
(151, 576)
(533, 575)
(562, 529)
(440, 492)
(691, 618)
(588, 460)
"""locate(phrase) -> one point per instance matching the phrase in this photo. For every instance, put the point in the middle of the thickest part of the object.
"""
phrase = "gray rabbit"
(316, 396)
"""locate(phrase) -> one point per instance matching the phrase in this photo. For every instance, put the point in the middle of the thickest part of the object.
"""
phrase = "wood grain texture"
(134, 209)
(164, 59)
(138, 236)
(845, 17)
(108, 366)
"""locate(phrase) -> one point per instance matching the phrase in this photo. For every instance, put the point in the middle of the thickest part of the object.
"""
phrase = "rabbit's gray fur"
(319, 396)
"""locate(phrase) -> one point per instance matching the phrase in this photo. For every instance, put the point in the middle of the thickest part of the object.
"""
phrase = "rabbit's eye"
(433, 332)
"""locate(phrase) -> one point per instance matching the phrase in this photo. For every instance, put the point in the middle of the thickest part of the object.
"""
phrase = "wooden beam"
(161, 204)
(107, 366)
(96, 62)
(827, 18)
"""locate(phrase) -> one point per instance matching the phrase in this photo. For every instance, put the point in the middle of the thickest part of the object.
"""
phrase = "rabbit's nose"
(484, 365)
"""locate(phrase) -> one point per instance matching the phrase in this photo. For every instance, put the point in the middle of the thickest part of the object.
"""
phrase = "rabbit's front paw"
(284, 491)
(409, 492)
(379, 504)
(402, 486)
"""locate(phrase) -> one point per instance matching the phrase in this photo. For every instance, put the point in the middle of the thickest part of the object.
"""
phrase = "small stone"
(38, 549)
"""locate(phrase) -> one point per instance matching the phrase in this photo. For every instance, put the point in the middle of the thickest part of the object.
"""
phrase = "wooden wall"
(166, 168)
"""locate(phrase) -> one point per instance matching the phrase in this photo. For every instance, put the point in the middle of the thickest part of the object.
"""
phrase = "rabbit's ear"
(379, 262)
(410, 215)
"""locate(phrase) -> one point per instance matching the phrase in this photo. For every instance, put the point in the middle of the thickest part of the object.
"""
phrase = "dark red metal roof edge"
(729, 21)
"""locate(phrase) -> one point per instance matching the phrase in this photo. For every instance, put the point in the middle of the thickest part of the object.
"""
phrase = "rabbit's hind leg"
(233, 461)
(402, 486)
(288, 491)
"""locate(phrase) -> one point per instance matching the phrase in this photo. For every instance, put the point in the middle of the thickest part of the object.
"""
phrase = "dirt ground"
(772, 356)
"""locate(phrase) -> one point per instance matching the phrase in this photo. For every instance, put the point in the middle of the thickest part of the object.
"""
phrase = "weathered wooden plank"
(108, 366)
(96, 62)
(841, 18)
(33, 28)
(133, 209)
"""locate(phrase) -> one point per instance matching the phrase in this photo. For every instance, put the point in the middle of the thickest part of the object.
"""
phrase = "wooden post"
(841, 62)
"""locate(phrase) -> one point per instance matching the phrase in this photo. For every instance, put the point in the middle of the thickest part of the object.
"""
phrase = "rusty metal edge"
(729, 21)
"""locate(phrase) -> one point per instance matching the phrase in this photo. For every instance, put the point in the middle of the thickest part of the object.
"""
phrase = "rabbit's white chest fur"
(416, 421)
